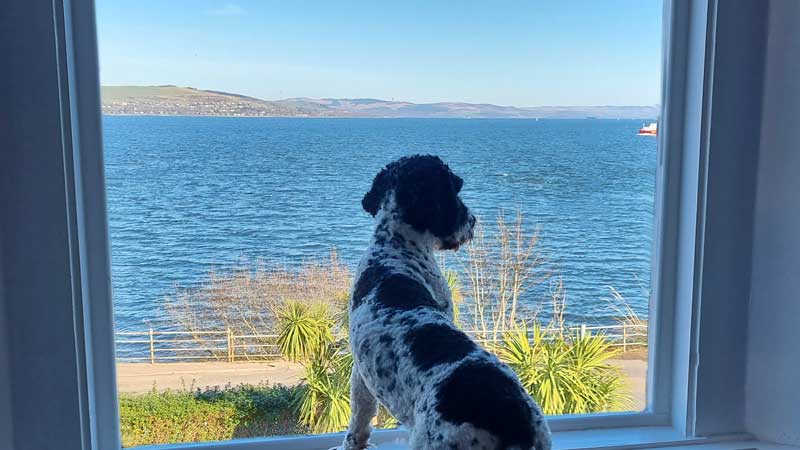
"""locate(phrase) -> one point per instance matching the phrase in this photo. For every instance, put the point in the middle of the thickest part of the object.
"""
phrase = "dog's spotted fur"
(449, 392)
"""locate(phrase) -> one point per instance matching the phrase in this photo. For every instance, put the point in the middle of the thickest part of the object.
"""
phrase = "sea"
(191, 195)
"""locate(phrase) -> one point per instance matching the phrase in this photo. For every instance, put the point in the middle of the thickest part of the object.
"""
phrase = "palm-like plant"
(341, 312)
(385, 419)
(455, 293)
(324, 401)
(302, 329)
(565, 374)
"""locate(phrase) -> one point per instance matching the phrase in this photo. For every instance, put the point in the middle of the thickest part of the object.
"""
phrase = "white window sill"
(605, 439)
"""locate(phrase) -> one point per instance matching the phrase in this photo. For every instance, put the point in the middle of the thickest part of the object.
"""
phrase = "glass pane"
(240, 138)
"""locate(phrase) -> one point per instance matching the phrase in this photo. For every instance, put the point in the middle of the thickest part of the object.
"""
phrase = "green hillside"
(122, 93)
(176, 100)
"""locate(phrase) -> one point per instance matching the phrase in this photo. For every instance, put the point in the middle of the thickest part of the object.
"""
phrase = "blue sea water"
(187, 195)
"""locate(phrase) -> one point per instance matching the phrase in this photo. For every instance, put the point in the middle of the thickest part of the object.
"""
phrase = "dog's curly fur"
(449, 392)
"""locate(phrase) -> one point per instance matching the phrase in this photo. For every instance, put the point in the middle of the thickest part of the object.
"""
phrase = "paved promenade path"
(179, 375)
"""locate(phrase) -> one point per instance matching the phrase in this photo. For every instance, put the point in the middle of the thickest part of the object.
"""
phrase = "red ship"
(649, 130)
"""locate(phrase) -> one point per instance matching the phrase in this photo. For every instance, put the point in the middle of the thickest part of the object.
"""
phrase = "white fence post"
(624, 338)
(583, 330)
(152, 347)
(230, 345)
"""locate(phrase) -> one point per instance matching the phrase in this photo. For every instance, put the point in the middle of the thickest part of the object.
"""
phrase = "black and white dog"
(409, 356)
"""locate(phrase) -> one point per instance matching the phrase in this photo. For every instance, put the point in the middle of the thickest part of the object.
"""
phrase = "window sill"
(606, 439)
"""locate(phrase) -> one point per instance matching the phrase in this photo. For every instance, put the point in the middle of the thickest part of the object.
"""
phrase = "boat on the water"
(649, 130)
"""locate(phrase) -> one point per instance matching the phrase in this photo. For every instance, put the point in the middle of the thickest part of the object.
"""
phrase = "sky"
(516, 53)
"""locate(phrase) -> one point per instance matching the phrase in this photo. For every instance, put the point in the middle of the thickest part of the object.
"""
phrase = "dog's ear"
(380, 186)
(427, 194)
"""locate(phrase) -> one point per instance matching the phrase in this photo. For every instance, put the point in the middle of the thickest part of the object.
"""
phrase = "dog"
(408, 355)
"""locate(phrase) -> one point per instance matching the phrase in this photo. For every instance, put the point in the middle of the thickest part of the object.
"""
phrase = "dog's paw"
(358, 441)
(354, 447)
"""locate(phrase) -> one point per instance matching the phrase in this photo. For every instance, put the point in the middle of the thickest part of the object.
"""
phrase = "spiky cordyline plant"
(303, 330)
(324, 401)
(455, 292)
(566, 374)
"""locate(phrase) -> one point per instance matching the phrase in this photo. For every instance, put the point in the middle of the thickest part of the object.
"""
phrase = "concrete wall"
(773, 375)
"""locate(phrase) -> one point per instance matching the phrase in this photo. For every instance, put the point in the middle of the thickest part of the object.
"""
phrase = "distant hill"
(174, 100)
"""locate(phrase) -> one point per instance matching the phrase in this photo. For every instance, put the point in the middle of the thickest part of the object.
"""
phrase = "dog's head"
(422, 192)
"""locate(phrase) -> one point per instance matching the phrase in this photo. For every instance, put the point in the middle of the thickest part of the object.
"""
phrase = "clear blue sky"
(525, 53)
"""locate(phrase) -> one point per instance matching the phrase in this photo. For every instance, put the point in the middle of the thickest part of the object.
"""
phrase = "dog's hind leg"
(363, 407)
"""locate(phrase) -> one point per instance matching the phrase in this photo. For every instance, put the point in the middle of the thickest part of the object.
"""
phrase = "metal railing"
(163, 346)
(627, 336)
(158, 346)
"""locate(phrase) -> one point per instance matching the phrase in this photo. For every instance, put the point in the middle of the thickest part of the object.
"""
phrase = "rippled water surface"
(190, 194)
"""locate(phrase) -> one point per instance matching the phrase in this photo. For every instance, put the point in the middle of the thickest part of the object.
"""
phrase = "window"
(233, 227)
(229, 221)
(92, 249)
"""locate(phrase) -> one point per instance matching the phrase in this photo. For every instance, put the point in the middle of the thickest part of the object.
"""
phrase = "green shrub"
(208, 415)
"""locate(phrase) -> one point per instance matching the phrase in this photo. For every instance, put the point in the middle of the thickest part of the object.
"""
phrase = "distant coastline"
(187, 101)
(369, 117)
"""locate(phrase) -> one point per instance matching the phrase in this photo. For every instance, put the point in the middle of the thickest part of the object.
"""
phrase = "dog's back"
(452, 393)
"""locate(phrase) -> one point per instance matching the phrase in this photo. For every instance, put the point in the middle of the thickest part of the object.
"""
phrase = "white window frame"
(671, 410)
